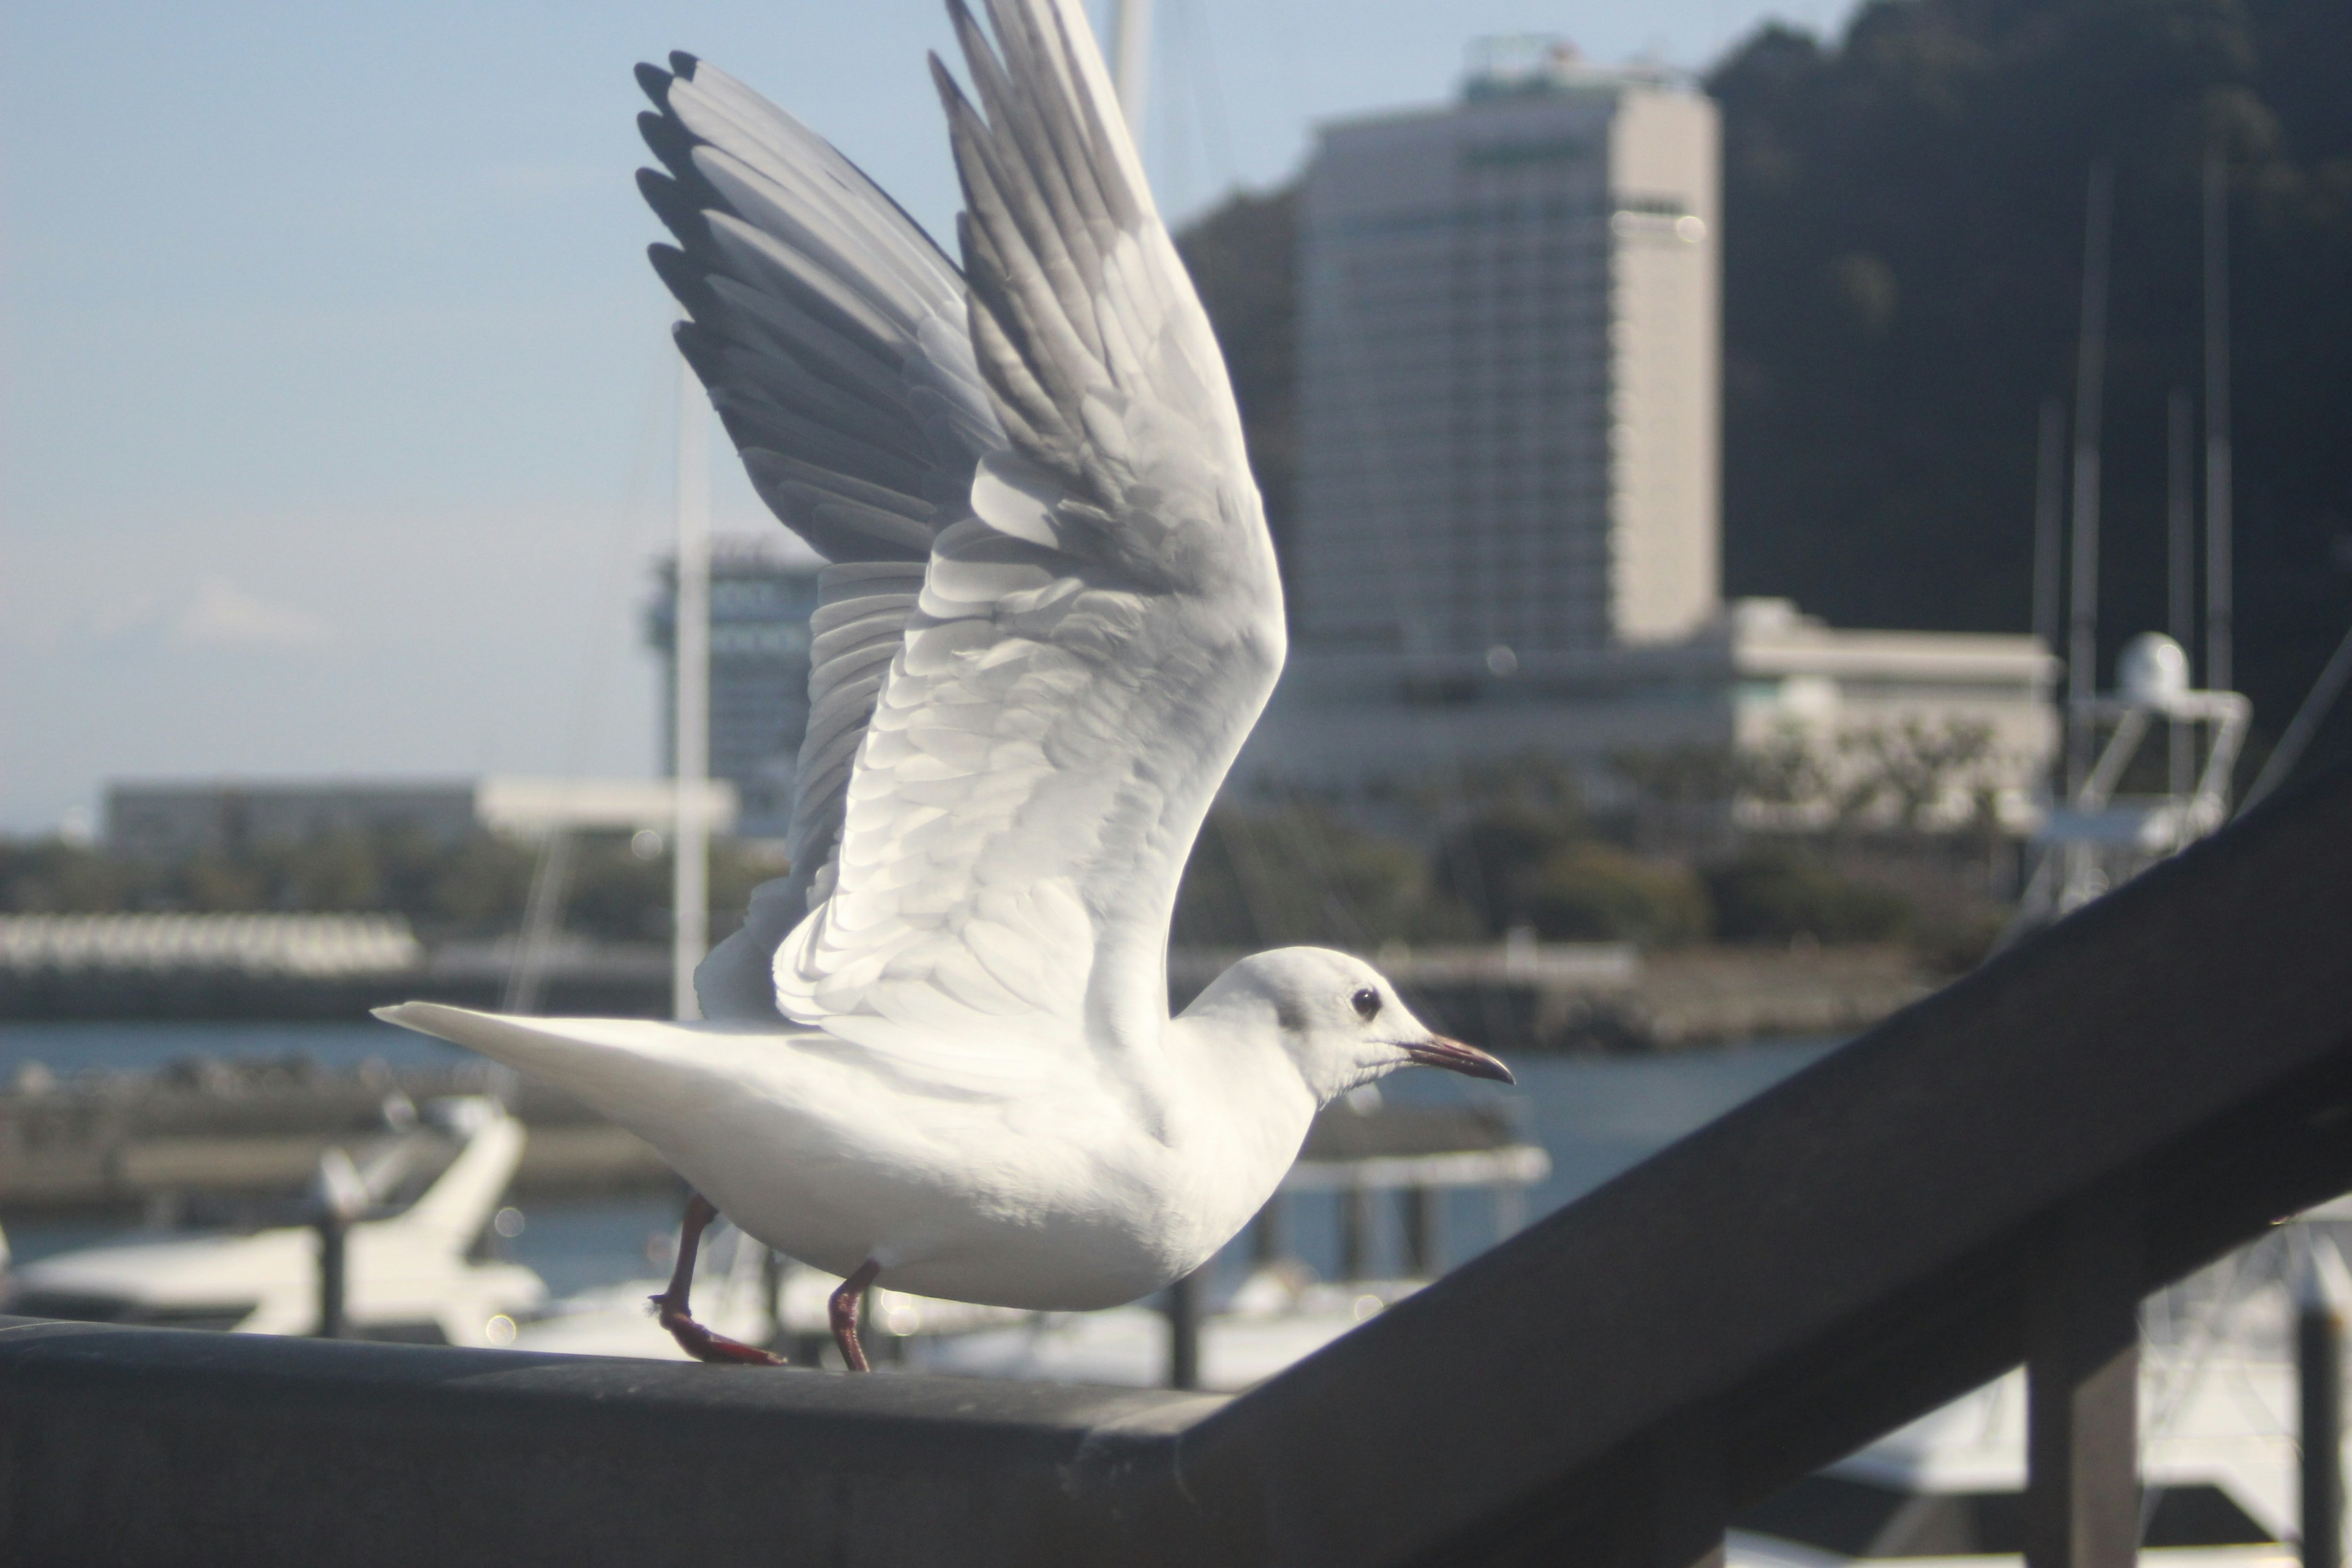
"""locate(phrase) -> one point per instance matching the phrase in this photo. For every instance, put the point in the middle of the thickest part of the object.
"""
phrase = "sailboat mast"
(2049, 520)
(690, 851)
(2180, 560)
(2220, 597)
(2050, 539)
(2090, 386)
(1131, 61)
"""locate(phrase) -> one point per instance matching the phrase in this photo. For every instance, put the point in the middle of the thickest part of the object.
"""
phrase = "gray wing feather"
(832, 336)
(1091, 642)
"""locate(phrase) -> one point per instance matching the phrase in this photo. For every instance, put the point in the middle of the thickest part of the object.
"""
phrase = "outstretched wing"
(1091, 646)
(832, 336)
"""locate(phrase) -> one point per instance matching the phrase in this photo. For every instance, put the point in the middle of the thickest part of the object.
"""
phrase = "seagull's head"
(1338, 1017)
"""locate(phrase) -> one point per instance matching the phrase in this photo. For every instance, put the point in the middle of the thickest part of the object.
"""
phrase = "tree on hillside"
(1903, 233)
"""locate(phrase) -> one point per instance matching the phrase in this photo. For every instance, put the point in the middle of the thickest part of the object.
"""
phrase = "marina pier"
(1997, 1174)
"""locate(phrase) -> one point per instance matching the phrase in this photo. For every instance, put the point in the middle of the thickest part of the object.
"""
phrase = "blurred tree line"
(474, 887)
(1865, 852)
(1869, 852)
(1902, 252)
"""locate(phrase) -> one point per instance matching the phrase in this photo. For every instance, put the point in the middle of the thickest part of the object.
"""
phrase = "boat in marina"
(412, 1273)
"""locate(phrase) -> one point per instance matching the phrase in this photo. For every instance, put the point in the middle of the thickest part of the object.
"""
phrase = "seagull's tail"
(653, 1077)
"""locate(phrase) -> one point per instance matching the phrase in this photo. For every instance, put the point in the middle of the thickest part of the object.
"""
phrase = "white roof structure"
(1760, 673)
(170, 818)
(310, 946)
(530, 807)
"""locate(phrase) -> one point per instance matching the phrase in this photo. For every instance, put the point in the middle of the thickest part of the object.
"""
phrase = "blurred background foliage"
(474, 888)
(1470, 858)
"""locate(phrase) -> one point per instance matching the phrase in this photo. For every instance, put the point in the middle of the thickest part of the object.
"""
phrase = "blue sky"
(335, 398)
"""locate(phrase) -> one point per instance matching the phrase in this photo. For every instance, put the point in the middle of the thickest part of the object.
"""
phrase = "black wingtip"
(653, 82)
(668, 141)
(943, 78)
(684, 280)
(683, 64)
(674, 205)
(708, 358)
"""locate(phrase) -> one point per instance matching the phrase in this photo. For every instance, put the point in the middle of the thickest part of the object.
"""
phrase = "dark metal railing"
(1997, 1174)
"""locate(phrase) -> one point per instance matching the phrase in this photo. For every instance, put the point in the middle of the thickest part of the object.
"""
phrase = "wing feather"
(1092, 639)
(833, 337)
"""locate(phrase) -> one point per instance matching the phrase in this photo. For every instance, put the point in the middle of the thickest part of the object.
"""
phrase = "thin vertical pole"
(334, 1236)
(690, 862)
(2317, 704)
(1270, 1236)
(2180, 539)
(1355, 1233)
(2220, 672)
(774, 1266)
(2320, 1292)
(1131, 48)
(2049, 522)
(2082, 1382)
(2049, 543)
(542, 918)
(2089, 385)
(1184, 1331)
(1424, 1231)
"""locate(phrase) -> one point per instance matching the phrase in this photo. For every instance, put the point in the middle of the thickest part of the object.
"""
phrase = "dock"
(212, 1136)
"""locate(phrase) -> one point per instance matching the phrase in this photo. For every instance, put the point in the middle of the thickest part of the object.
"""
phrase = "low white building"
(172, 819)
(1760, 682)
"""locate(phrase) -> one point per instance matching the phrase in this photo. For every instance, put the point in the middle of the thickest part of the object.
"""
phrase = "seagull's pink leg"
(692, 1337)
(843, 1310)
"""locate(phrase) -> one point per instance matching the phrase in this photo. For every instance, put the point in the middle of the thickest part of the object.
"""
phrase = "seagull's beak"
(1437, 1051)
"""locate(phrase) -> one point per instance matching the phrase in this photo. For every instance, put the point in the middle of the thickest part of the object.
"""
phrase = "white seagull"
(940, 1050)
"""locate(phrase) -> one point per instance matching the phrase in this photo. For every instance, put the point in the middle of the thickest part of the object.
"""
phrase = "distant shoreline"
(1666, 1001)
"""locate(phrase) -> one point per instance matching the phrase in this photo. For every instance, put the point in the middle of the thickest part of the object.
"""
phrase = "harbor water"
(1594, 1116)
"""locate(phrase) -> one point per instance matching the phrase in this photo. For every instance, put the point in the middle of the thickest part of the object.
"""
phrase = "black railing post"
(2081, 1441)
(334, 1233)
(774, 1265)
(1356, 1220)
(341, 1197)
(1424, 1231)
(1690, 1505)
(1270, 1236)
(1184, 1331)
(2321, 1292)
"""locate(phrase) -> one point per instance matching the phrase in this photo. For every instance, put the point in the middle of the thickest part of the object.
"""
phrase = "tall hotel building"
(1507, 535)
(1508, 362)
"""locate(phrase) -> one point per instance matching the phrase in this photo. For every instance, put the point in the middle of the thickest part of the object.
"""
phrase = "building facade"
(178, 818)
(1508, 534)
(760, 601)
(1508, 362)
(173, 819)
(1759, 680)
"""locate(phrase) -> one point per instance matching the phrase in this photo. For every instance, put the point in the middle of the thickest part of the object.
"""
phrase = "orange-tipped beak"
(1437, 1051)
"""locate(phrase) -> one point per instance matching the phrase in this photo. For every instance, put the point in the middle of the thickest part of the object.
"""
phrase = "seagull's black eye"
(1366, 1002)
